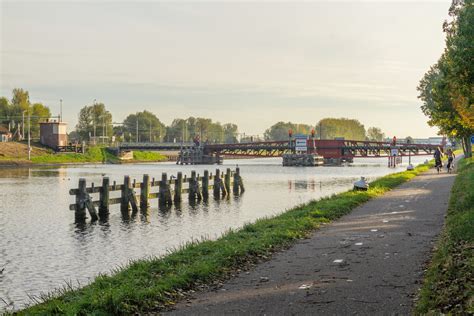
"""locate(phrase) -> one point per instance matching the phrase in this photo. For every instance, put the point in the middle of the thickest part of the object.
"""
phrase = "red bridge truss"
(341, 149)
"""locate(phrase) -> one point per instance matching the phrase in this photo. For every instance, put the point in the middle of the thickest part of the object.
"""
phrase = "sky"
(249, 63)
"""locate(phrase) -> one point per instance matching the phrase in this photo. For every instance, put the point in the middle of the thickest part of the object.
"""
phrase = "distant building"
(53, 134)
(5, 135)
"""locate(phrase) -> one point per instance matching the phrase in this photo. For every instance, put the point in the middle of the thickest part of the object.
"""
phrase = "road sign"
(301, 143)
(472, 139)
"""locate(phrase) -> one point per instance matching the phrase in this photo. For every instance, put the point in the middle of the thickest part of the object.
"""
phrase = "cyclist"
(437, 156)
(451, 157)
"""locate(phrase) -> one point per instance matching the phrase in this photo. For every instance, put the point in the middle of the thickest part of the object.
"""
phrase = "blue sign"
(472, 139)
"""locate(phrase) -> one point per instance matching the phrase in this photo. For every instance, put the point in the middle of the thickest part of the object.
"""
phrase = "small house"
(53, 134)
(5, 135)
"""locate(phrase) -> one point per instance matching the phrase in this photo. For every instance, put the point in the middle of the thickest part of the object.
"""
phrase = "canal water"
(42, 249)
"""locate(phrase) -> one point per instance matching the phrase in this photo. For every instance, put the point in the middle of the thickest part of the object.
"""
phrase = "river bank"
(14, 155)
(152, 284)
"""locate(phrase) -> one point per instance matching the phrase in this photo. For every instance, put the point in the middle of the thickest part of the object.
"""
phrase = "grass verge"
(139, 155)
(449, 282)
(93, 154)
(150, 284)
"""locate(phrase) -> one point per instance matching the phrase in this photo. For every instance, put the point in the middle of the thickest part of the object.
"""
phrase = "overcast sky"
(251, 63)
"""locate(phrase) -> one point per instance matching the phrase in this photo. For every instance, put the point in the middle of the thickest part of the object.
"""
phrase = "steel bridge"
(329, 149)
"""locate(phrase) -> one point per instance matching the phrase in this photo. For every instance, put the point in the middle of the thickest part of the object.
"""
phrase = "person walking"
(437, 156)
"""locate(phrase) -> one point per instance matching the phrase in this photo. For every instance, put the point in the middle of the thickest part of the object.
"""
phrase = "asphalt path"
(369, 262)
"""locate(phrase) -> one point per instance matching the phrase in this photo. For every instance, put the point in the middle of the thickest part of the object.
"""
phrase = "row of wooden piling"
(170, 192)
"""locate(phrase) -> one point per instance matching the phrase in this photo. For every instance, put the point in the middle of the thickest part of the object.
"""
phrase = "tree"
(279, 131)
(330, 128)
(447, 89)
(434, 91)
(375, 134)
(230, 133)
(203, 128)
(94, 120)
(150, 128)
(39, 113)
(460, 56)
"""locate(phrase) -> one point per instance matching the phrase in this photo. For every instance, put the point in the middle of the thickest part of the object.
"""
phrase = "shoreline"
(8, 164)
(153, 284)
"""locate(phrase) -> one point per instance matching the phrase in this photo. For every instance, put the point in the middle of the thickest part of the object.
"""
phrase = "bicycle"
(438, 165)
(450, 165)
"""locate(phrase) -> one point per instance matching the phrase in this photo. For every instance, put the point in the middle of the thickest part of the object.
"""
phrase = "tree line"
(327, 128)
(14, 114)
(447, 88)
(95, 124)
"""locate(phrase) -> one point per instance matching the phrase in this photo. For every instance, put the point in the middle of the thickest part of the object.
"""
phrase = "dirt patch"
(14, 150)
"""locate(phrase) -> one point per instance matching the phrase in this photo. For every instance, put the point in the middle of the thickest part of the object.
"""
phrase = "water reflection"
(42, 246)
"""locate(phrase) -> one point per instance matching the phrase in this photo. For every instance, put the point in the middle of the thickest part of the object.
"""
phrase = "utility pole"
(103, 128)
(60, 110)
(23, 125)
(29, 137)
(150, 130)
(137, 128)
(94, 123)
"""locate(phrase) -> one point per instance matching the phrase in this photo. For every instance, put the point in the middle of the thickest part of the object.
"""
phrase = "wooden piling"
(104, 199)
(80, 205)
(194, 188)
(227, 180)
(205, 185)
(125, 202)
(165, 192)
(144, 193)
(238, 182)
(178, 186)
(217, 187)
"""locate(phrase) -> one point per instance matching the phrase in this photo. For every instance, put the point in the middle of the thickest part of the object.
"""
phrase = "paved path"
(369, 262)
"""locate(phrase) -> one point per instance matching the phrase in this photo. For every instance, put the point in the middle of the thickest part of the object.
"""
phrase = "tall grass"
(150, 284)
(449, 281)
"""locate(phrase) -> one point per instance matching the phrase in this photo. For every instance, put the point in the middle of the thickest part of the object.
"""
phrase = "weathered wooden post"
(178, 186)
(165, 192)
(217, 187)
(205, 185)
(104, 199)
(227, 180)
(194, 190)
(125, 202)
(238, 183)
(144, 193)
(80, 197)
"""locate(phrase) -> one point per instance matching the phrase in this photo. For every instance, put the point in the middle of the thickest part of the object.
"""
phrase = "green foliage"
(203, 128)
(146, 285)
(330, 128)
(375, 134)
(449, 281)
(11, 113)
(94, 120)
(279, 131)
(149, 127)
(447, 88)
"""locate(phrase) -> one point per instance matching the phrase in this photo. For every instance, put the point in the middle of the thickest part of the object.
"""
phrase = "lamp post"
(60, 110)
